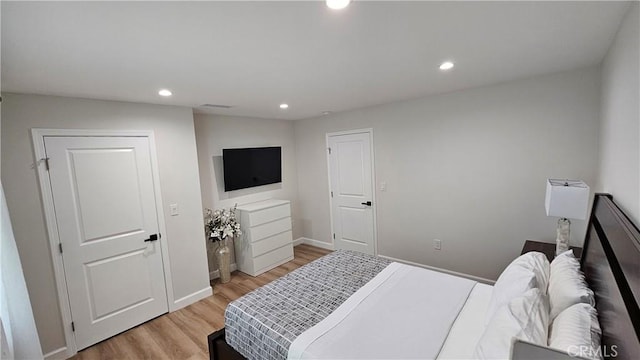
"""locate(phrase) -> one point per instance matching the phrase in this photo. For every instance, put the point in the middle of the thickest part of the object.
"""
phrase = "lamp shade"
(567, 199)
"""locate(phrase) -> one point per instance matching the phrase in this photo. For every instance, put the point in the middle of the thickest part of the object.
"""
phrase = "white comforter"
(409, 307)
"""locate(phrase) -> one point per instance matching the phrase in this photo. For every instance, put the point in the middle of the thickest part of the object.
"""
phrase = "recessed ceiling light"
(165, 92)
(447, 65)
(284, 106)
(338, 4)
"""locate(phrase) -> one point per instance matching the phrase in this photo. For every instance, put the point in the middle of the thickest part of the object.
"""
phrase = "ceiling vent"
(216, 106)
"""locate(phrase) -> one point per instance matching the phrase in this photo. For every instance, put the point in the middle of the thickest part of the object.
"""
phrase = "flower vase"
(223, 256)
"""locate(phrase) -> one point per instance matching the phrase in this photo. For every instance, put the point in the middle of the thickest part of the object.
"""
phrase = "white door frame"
(373, 184)
(38, 136)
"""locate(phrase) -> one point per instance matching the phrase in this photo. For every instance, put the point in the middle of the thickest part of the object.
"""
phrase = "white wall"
(467, 167)
(178, 168)
(214, 133)
(619, 172)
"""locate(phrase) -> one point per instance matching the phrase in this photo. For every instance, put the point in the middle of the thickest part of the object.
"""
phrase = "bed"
(280, 319)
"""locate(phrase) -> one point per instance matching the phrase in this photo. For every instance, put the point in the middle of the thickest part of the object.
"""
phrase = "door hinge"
(46, 163)
(334, 236)
(332, 194)
(73, 326)
(329, 151)
(60, 247)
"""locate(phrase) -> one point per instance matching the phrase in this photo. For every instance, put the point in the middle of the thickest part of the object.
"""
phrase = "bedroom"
(464, 157)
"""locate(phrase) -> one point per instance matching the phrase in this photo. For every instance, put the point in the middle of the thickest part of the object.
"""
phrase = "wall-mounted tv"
(249, 167)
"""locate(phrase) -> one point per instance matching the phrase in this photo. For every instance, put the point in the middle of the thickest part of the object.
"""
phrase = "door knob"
(152, 237)
(368, 203)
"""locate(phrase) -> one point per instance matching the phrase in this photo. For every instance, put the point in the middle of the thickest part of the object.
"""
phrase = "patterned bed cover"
(263, 323)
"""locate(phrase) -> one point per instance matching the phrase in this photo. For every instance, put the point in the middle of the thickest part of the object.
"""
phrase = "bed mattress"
(406, 312)
(263, 323)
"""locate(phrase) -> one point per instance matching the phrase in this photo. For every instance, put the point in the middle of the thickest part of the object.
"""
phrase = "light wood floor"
(183, 333)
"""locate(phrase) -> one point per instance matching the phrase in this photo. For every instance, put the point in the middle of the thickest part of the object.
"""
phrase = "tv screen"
(249, 167)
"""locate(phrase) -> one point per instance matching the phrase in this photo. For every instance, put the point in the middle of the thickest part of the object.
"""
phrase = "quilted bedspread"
(263, 323)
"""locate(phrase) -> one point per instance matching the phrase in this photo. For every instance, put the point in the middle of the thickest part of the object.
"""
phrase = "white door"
(105, 209)
(351, 180)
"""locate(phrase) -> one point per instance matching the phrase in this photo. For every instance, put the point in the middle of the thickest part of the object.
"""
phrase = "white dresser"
(266, 240)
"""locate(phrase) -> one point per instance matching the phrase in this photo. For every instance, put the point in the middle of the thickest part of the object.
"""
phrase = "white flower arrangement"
(220, 224)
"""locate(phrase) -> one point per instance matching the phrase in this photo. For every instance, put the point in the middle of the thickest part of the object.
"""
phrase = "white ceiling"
(256, 55)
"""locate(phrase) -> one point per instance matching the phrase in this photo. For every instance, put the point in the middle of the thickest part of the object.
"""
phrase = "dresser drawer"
(265, 245)
(264, 231)
(272, 257)
(269, 214)
(267, 237)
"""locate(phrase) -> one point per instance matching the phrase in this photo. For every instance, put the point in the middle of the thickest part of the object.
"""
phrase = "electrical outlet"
(383, 186)
(437, 244)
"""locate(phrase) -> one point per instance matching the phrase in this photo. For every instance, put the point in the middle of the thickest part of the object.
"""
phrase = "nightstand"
(549, 249)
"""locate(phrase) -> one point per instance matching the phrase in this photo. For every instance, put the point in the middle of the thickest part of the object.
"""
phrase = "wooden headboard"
(611, 264)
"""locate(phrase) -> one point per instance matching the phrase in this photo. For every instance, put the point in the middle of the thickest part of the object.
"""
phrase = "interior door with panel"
(351, 180)
(105, 209)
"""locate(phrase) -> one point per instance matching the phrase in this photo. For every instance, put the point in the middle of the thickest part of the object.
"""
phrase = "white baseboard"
(216, 273)
(450, 272)
(58, 354)
(191, 298)
(312, 242)
(328, 246)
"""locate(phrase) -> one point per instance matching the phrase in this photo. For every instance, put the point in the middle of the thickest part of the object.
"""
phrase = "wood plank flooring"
(183, 334)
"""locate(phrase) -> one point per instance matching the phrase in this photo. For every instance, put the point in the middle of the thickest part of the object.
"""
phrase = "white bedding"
(469, 326)
(420, 311)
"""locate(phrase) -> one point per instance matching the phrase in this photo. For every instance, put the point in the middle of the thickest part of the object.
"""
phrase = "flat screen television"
(249, 167)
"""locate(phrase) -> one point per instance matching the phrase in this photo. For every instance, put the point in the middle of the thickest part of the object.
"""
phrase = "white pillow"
(530, 270)
(525, 317)
(576, 331)
(539, 264)
(566, 284)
